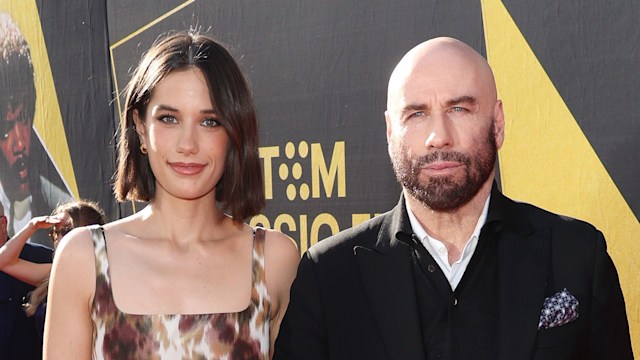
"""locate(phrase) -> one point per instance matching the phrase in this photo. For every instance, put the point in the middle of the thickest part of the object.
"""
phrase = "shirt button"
(442, 250)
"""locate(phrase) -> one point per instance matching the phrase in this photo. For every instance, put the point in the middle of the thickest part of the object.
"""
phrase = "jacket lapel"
(523, 267)
(387, 275)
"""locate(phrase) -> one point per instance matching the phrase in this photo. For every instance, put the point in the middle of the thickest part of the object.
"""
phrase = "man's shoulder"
(364, 234)
(541, 218)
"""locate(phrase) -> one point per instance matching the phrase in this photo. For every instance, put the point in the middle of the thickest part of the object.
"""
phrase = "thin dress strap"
(100, 249)
(258, 257)
(260, 300)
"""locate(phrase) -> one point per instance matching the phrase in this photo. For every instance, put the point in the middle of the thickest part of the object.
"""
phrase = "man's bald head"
(441, 60)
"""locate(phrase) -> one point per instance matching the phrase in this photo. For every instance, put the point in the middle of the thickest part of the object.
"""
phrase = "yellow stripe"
(157, 20)
(546, 158)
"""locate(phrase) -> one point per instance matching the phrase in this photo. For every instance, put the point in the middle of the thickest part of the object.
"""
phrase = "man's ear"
(139, 124)
(387, 121)
(498, 123)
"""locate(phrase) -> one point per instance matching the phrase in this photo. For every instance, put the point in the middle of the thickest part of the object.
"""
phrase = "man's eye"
(417, 114)
(457, 109)
(5, 129)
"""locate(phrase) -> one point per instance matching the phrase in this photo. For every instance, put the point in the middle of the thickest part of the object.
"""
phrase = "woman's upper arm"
(68, 330)
(281, 263)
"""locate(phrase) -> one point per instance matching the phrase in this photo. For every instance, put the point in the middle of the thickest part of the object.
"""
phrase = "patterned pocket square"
(558, 310)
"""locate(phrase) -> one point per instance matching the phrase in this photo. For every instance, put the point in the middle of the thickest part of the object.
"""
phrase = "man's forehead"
(431, 90)
(11, 103)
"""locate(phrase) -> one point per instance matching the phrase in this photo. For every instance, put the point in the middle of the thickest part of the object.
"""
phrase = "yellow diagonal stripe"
(546, 158)
(47, 121)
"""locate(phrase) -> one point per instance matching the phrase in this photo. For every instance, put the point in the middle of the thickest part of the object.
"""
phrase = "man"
(19, 338)
(25, 193)
(456, 270)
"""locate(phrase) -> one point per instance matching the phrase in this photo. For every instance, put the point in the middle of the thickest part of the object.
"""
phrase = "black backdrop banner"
(567, 71)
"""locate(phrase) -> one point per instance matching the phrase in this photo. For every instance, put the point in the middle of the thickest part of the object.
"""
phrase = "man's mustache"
(20, 164)
(441, 155)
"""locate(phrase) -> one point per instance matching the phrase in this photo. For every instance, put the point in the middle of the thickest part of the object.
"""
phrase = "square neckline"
(108, 283)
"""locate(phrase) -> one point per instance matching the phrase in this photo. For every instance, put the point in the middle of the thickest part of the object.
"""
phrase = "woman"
(63, 218)
(184, 277)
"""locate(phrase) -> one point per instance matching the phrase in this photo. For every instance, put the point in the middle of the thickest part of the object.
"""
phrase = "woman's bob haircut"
(240, 191)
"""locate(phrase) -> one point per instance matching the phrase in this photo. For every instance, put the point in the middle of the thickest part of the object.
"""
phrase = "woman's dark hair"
(240, 191)
(82, 213)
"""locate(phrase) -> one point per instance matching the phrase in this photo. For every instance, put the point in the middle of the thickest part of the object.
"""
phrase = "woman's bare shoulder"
(73, 270)
(281, 262)
(281, 246)
(76, 243)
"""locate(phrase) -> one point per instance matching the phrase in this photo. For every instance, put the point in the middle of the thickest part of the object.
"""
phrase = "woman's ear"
(138, 123)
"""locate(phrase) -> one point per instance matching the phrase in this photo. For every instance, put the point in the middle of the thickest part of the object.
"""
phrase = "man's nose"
(440, 133)
(18, 139)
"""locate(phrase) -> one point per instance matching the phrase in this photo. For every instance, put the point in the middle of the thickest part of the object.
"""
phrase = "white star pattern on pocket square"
(558, 310)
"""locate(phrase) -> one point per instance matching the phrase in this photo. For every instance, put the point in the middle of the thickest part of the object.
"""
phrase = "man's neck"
(453, 228)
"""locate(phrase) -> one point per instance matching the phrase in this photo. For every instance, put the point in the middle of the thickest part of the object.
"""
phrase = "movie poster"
(53, 95)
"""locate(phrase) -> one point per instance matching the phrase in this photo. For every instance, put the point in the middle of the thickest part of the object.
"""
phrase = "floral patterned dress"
(122, 336)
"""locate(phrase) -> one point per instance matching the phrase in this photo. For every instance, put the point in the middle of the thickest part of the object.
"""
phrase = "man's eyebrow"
(413, 107)
(464, 99)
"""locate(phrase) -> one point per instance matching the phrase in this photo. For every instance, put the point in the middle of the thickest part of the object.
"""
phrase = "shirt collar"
(421, 233)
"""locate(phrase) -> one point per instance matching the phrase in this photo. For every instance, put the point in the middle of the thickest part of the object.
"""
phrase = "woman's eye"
(210, 122)
(168, 119)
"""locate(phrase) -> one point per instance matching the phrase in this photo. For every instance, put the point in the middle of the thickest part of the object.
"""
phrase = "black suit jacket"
(354, 296)
(19, 338)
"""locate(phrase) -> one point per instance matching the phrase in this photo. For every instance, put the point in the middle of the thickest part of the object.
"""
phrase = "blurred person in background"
(19, 337)
(63, 219)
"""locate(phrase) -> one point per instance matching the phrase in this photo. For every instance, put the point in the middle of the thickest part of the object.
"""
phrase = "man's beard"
(445, 193)
(15, 187)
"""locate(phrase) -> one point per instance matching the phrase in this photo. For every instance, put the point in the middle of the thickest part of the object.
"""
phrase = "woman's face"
(182, 132)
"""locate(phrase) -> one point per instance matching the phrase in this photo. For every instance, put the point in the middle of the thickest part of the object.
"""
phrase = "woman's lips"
(186, 168)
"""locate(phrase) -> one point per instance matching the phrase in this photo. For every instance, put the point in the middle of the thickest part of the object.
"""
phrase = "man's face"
(444, 180)
(15, 143)
(442, 134)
